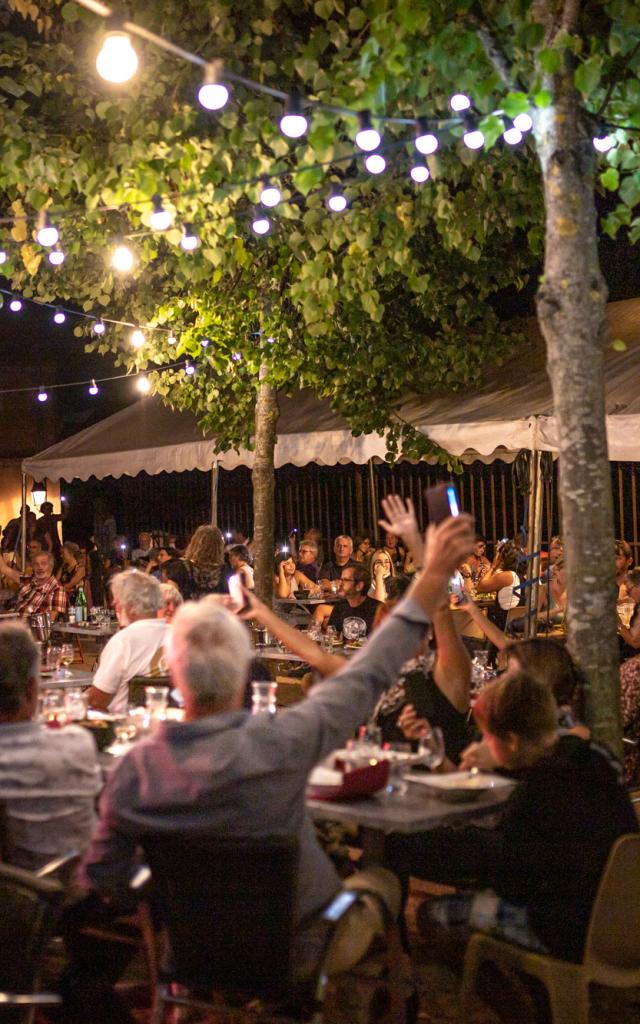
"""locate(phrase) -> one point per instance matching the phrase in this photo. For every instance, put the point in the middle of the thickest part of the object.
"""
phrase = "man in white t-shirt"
(136, 650)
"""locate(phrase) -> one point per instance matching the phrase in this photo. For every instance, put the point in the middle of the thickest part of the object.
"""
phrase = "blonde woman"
(381, 568)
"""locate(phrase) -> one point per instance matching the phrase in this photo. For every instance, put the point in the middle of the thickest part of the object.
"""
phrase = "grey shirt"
(244, 775)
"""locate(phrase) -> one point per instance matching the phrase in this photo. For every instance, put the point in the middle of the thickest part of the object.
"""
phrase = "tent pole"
(214, 493)
(23, 525)
(372, 495)
(536, 494)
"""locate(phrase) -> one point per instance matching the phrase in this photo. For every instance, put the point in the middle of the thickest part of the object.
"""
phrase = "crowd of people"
(238, 774)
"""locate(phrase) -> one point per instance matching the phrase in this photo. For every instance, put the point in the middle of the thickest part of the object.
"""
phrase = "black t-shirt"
(311, 571)
(343, 610)
(434, 706)
(332, 571)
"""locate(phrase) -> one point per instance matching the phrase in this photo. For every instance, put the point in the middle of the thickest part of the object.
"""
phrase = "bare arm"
(489, 628)
(98, 699)
(401, 521)
(494, 581)
(283, 583)
(379, 591)
(7, 571)
(296, 641)
(452, 670)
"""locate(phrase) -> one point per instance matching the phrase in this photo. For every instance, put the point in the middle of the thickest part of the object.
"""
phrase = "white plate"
(460, 785)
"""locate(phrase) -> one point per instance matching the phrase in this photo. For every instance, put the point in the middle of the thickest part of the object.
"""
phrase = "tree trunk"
(264, 487)
(571, 305)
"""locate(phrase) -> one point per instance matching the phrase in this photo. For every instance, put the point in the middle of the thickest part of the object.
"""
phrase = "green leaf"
(12, 87)
(587, 76)
(542, 98)
(516, 103)
(630, 189)
(550, 61)
(610, 179)
(356, 19)
(618, 345)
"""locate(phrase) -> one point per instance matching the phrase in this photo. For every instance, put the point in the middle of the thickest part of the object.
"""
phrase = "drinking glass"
(155, 700)
(396, 785)
(52, 710)
(67, 654)
(331, 634)
(263, 697)
(75, 704)
(352, 628)
(431, 747)
(125, 727)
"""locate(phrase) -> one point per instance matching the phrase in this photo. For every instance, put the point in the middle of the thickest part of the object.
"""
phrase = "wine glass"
(67, 654)
(431, 747)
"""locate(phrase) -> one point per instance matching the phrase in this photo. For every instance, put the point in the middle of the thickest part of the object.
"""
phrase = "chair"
(137, 686)
(612, 950)
(30, 907)
(634, 796)
(227, 906)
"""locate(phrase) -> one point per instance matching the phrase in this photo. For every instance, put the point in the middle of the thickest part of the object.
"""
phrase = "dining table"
(73, 676)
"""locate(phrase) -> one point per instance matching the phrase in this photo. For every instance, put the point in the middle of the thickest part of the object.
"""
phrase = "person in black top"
(355, 581)
(544, 858)
(342, 557)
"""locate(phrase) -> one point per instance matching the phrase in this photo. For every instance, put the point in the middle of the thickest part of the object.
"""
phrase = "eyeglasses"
(347, 579)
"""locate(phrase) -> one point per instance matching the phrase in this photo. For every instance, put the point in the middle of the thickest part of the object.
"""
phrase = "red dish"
(359, 782)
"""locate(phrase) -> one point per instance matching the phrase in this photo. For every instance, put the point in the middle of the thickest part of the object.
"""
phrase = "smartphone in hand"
(237, 594)
(442, 502)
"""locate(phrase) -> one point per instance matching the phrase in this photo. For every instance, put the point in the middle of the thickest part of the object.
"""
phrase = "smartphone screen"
(236, 594)
(442, 502)
(454, 508)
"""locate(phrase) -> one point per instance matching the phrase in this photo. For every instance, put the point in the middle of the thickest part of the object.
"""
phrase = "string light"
(205, 342)
(603, 143)
(189, 240)
(99, 327)
(172, 340)
(473, 137)
(42, 395)
(293, 123)
(270, 195)
(117, 61)
(3, 257)
(425, 141)
(336, 202)
(213, 94)
(93, 388)
(261, 225)
(512, 135)
(59, 317)
(160, 219)
(459, 102)
(143, 384)
(15, 305)
(47, 234)
(122, 259)
(137, 338)
(420, 173)
(523, 122)
(367, 137)
(236, 357)
(375, 163)
(189, 369)
(56, 256)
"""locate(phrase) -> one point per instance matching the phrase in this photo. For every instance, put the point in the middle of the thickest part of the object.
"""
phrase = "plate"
(458, 787)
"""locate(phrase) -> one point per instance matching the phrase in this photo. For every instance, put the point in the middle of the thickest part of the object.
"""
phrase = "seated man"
(342, 557)
(136, 650)
(355, 582)
(39, 592)
(239, 774)
(307, 560)
(144, 548)
(49, 778)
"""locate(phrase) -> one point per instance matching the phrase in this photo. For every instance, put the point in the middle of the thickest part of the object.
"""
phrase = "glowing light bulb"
(337, 202)
(122, 259)
(117, 61)
(213, 94)
(42, 395)
(47, 233)
(99, 327)
(56, 257)
(512, 135)
(261, 225)
(15, 305)
(425, 141)
(236, 357)
(3, 257)
(270, 195)
(59, 317)
(143, 384)
(172, 340)
(420, 173)
(138, 338)
(459, 102)
(189, 240)
(367, 137)
(603, 143)
(205, 342)
(189, 369)
(270, 341)
(160, 219)
(375, 163)
(293, 123)
(523, 122)
(473, 138)
(93, 389)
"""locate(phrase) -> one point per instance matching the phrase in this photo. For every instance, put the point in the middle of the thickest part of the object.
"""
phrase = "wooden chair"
(612, 950)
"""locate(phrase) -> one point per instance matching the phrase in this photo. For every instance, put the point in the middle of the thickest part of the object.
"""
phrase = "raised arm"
(489, 628)
(8, 571)
(299, 643)
(401, 522)
(452, 670)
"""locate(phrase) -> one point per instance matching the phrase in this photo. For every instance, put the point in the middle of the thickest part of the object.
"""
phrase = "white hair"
(213, 650)
(343, 536)
(138, 594)
(171, 595)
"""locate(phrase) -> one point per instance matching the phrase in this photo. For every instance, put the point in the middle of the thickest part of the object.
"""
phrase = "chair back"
(30, 908)
(137, 686)
(228, 907)
(615, 919)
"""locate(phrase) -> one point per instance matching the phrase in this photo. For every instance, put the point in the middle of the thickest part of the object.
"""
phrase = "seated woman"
(629, 636)
(552, 597)
(544, 858)
(503, 579)
(477, 564)
(382, 569)
(362, 548)
(72, 572)
(288, 579)
(240, 562)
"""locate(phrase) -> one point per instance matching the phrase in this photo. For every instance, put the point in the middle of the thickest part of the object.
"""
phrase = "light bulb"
(160, 219)
(293, 123)
(189, 240)
(420, 173)
(117, 61)
(213, 94)
(367, 137)
(171, 340)
(459, 102)
(512, 135)
(375, 163)
(42, 395)
(426, 144)
(15, 305)
(143, 384)
(137, 338)
(270, 195)
(236, 357)
(205, 342)
(93, 390)
(337, 202)
(47, 234)
(56, 257)
(261, 225)
(59, 317)
(189, 369)
(473, 138)
(523, 122)
(270, 340)
(3, 257)
(99, 327)
(603, 143)
(122, 259)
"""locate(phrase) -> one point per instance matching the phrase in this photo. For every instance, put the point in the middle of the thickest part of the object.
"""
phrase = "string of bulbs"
(142, 382)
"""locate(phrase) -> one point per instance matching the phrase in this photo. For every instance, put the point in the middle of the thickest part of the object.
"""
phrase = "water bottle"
(81, 605)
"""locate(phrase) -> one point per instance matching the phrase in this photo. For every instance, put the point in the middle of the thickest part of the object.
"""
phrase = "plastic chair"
(227, 907)
(30, 908)
(612, 950)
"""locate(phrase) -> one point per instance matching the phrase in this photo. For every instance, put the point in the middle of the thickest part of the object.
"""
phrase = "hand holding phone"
(238, 595)
(442, 502)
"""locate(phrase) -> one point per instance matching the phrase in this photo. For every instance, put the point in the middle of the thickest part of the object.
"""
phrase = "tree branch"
(570, 15)
(614, 81)
(493, 50)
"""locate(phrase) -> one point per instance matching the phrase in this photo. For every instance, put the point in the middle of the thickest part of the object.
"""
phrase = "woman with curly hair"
(202, 570)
